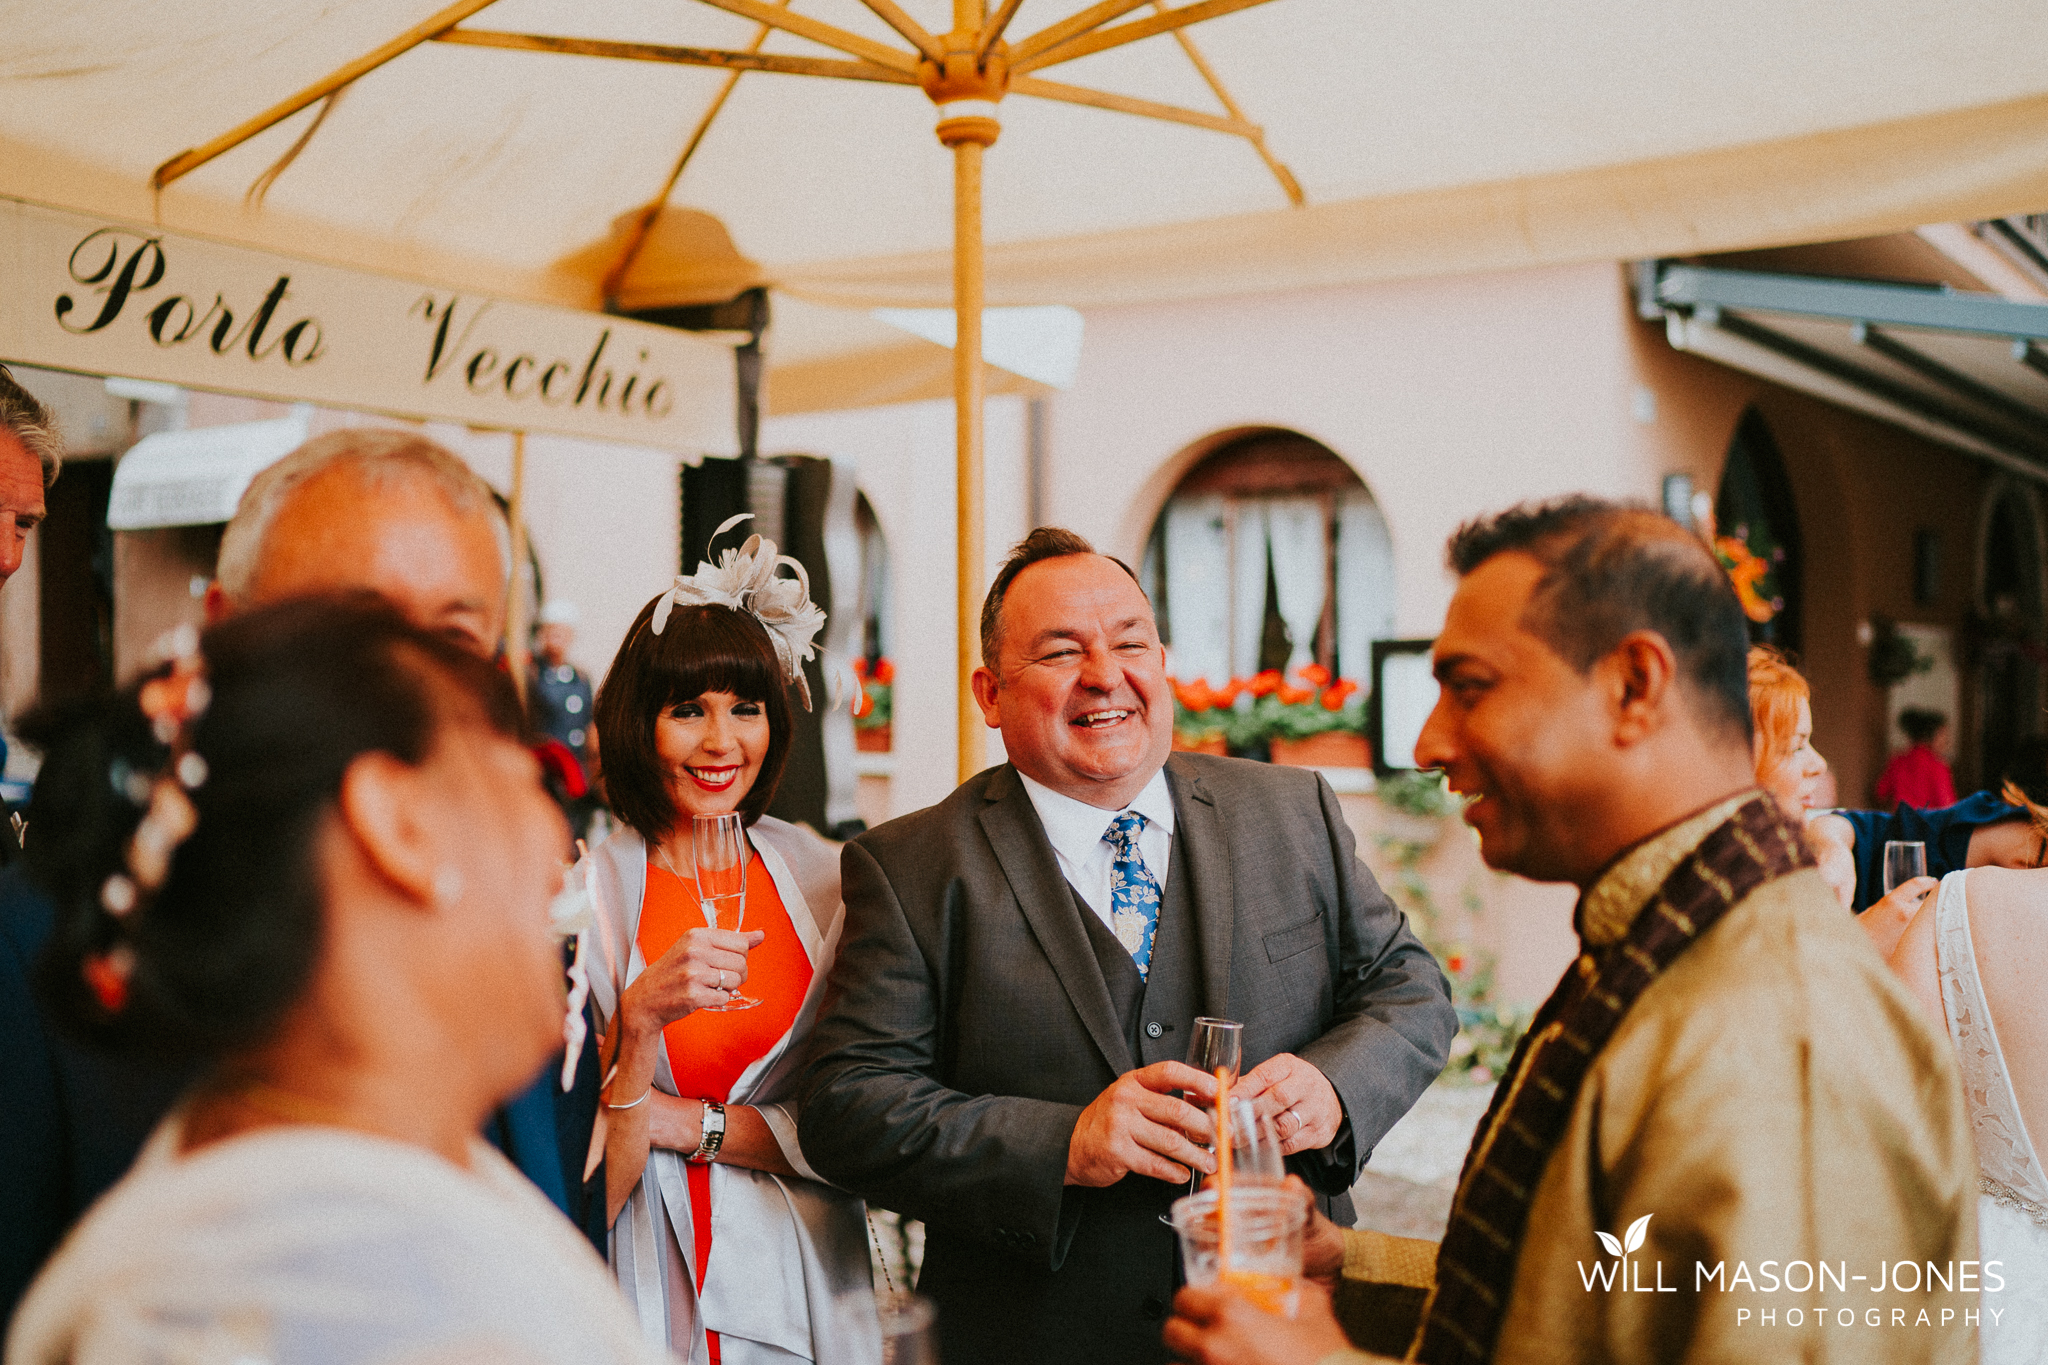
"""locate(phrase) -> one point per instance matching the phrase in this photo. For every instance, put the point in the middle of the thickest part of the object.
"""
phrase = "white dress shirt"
(1075, 830)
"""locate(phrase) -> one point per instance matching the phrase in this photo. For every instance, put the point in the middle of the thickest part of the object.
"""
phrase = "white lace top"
(2009, 1168)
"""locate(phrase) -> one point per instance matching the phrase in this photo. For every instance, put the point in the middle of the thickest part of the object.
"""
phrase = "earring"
(448, 886)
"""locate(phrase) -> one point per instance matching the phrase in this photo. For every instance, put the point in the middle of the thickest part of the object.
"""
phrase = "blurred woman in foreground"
(315, 854)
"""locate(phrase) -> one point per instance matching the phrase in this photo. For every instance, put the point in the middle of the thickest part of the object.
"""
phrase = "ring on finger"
(721, 978)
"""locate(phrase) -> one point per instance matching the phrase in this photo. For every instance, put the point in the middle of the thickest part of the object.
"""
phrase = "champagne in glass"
(1903, 860)
(1217, 1045)
(718, 844)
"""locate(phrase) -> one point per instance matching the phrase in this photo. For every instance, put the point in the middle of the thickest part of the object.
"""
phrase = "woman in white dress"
(314, 854)
(1976, 956)
(729, 1245)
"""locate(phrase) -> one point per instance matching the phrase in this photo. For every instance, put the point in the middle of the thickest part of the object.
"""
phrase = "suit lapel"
(1206, 852)
(1026, 857)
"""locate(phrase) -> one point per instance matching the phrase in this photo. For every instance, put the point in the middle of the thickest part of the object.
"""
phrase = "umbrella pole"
(966, 90)
(967, 402)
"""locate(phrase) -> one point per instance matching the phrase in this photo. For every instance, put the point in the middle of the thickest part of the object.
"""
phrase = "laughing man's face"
(1079, 686)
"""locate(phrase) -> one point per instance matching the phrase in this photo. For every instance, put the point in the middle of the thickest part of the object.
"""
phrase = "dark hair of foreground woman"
(229, 942)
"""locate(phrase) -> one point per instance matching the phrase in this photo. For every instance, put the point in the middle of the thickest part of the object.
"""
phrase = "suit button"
(1154, 1308)
(1154, 1029)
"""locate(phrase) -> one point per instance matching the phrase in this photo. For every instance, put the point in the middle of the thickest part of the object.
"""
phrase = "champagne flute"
(1903, 860)
(718, 845)
(1216, 1045)
(1255, 1152)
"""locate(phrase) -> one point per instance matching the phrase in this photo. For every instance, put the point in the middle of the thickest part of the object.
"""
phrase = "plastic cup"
(1267, 1225)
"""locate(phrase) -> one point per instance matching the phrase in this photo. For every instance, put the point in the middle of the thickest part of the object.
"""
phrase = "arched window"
(1270, 553)
(1756, 534)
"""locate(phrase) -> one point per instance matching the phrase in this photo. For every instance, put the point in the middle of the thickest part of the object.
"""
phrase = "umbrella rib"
(1288, 184)
(1039, 88)
(992, 31)
(185, 162)
(735, 62)
(1071, 27)
(1102, 39)
(892, 14)
(817, 31)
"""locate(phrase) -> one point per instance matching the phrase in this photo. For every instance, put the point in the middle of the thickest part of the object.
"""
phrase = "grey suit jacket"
(967, 1023)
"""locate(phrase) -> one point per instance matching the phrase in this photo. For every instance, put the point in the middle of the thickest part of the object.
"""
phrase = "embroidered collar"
(1613, 901)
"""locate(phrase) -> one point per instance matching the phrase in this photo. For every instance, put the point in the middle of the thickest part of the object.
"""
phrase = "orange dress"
(708, 1051)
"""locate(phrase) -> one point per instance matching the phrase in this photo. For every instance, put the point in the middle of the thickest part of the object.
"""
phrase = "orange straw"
(1222, 1172)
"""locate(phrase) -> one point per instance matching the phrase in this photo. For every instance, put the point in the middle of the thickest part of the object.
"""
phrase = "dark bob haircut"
(703, 648)
(1610, 569)
(228, 944)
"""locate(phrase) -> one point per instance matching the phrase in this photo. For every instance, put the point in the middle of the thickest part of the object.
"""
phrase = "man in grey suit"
(999, 1049)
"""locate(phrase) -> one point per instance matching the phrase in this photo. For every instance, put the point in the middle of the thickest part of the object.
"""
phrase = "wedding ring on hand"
(721, 981)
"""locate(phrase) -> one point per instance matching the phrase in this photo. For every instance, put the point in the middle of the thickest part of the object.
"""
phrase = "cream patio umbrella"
(1427, 139)
(965, 71)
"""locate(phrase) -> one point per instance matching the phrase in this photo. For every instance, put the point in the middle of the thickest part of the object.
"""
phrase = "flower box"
(1207, 744)
(1330, 749)
(873, 739)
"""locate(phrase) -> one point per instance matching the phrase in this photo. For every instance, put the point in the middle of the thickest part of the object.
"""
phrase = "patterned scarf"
(1475, 1266)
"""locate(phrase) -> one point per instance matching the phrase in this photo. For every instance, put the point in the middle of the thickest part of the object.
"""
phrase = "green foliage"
(1268, 718)
(878, 709)
(1488, 1028)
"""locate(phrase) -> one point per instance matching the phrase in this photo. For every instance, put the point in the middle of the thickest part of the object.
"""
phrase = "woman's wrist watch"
(712, 1135)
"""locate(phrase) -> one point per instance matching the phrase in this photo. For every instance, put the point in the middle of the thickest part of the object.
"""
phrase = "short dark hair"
(1044, 542)
(1921, 724)
(1611, 568)
(229, 943)
(702, 648)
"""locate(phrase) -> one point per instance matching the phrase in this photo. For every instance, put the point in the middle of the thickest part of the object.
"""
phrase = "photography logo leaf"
(1629, 1241)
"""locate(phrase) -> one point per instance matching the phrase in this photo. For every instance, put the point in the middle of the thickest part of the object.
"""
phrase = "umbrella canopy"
(493, 145)
(1488, 133)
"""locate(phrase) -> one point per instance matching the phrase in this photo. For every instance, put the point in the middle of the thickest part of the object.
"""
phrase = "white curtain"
(1247, 595)
(1365, 583)
(1298, 533)
(1197, 556)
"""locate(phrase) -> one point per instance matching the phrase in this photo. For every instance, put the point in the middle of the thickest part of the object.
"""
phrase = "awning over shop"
(195, 478)
(1967, 370)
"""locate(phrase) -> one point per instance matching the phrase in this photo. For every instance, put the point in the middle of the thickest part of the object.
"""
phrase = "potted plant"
(1201, 716)
(1315, 722)
(871, 730)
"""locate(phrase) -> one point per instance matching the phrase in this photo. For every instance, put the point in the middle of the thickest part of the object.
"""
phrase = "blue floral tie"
(1133, 891)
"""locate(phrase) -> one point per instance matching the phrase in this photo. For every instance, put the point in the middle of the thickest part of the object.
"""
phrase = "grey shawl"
(790, 1276)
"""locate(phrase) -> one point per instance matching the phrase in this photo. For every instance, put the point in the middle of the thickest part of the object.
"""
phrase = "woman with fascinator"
(726, 1241)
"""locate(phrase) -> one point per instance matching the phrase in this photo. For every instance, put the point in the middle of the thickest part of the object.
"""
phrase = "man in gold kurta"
(1743, 1094)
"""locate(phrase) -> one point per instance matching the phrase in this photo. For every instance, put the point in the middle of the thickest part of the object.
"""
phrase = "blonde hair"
(2037, 814)
(1775, 691)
